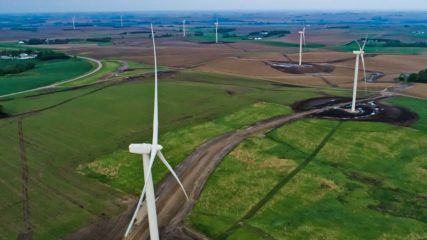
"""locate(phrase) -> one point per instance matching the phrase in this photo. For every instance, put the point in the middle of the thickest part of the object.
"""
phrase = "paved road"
(99, 66)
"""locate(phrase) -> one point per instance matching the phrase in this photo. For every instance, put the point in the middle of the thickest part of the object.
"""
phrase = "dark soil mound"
(294, 68)
(315, 103)
(366, 111)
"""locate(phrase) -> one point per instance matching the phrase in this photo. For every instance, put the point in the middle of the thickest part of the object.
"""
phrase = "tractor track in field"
(172, 206)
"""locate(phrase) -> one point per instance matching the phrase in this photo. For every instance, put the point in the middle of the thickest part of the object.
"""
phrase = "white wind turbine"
(216, 30)
(359, 55)
(74, 22)
(183, 28)
(149, 153)
(301, 42)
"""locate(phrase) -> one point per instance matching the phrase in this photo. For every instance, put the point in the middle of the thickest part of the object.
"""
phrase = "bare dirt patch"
(374, 111)
(293, 68)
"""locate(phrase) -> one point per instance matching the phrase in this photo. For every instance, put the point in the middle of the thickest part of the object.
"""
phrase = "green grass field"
(209, 37)
(382, 49)
(45, 73)
(107, 68)
(319, 179)
(91, 124)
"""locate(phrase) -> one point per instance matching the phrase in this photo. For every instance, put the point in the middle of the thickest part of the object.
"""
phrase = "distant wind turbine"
(301, 42)
(74, 22)
(216, 30)
(121, 20)
(149, 153)
(359, 55)
(183, 28)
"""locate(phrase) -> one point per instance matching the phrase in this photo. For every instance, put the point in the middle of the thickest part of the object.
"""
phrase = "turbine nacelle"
(360, 52)
(144, 148)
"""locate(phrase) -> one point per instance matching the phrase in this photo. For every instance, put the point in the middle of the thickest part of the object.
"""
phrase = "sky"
(18, 6)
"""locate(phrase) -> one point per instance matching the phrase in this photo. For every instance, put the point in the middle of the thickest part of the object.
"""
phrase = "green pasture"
(319, 179)
(70, 131)
(381, 49)
(45, 73)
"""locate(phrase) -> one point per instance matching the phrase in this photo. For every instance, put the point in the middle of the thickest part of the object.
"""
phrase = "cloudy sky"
(150, 5)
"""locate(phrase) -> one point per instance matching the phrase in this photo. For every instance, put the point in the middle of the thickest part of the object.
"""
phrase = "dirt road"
(172, 206)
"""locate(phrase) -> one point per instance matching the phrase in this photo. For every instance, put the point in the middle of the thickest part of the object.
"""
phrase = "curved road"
(99, 66)
(172, 207)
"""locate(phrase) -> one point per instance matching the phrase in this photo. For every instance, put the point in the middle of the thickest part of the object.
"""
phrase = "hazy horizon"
(45, 6)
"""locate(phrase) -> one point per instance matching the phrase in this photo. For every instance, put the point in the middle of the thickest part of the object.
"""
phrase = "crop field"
(321, 179)
(45, 73)
(108, 67)
(383, 49)
(70, 132)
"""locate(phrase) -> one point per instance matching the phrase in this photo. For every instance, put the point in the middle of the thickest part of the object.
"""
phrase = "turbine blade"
(364, 44)
(135, 214)
(358, 44)
(144, 189)
(364, 74)
(168, 166)
(303, 36)
(156, 104)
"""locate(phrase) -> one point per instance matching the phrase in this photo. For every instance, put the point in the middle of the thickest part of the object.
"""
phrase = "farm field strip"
(99, 65)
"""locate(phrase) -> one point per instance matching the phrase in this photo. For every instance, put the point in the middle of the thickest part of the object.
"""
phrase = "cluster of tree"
(38, 41)
(420, 77)
(30, 29)
(135, 32)
(99, 40)
(392, 43)
(226, 30)
(15, 66)
(46, 55)
(228, 35)
(278, 33)
(338, 27)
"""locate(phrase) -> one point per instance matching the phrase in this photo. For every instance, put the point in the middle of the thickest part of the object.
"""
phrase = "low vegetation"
(15, 66)
(296, 188)
(95, 125)
(420, 77)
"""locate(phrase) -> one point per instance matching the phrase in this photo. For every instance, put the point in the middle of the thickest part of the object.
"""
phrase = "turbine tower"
(359, 55)
(149, 153)
(74, 22)
(301, 42)
(183, 28)
(216, 30)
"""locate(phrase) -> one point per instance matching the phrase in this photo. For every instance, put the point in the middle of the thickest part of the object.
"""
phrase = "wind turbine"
(149, 153)
(216, 30)
(301, 41)
(183, 28)
(359, 55)
(74, 22)
(121, 20)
